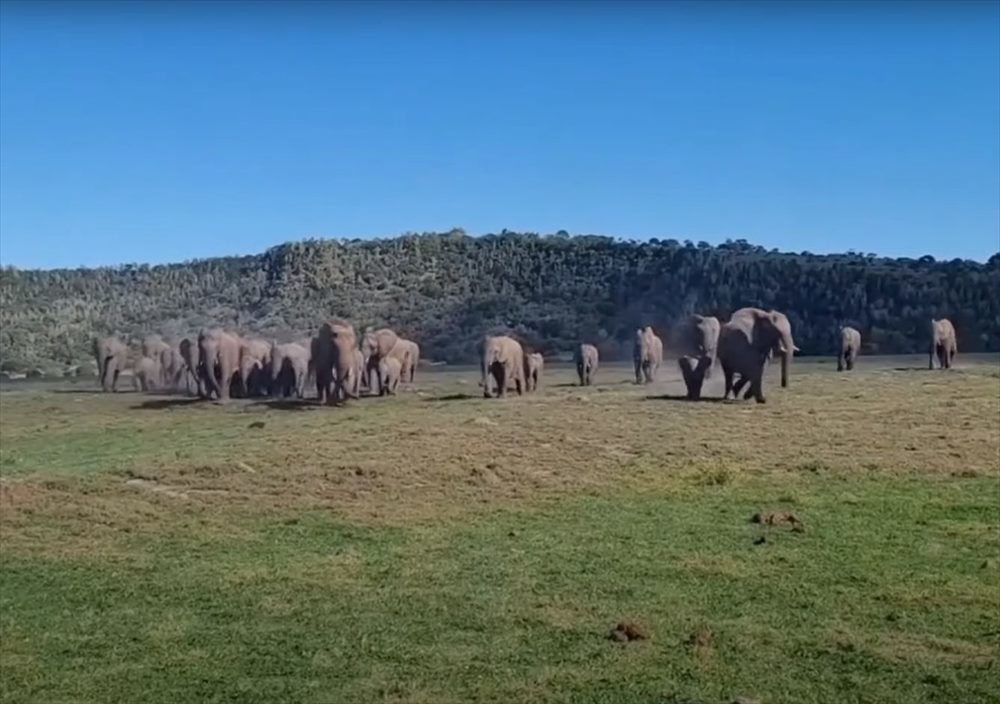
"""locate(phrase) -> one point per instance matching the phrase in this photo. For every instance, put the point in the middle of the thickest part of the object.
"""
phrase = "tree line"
(446, 290)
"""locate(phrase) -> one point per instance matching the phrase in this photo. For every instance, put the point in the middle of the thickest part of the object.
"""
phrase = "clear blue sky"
(146, 132)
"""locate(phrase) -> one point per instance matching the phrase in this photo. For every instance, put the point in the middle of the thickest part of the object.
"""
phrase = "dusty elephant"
(255, 367)
(409, 353)
(696, 339)
(111, 356)
(155, 349)
(586, 358)
(534, 363)
(780, 348)
(850, 348)
(943, 343)
(744, 344)
(189, 353)
(376, 345)
(334, 359)
(389, 370)
(146, 374)
(219, 362)
(647, 355)
(503, 363)
(172, 367)
(289, 369)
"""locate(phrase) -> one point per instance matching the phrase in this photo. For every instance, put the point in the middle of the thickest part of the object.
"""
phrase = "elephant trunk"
(786, 358)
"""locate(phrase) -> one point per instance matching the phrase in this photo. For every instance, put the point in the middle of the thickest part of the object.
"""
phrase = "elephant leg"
(638, 371)
(757, 387)
(727, 374)
(738, 386)
(840, 361)
(500, 373)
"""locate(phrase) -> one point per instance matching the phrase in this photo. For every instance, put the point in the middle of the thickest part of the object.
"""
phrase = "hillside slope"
(446, 290)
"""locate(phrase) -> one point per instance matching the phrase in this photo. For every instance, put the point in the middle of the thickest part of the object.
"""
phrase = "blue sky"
(147, 132)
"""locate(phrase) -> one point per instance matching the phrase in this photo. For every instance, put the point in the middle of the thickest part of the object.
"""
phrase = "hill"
(446, 290)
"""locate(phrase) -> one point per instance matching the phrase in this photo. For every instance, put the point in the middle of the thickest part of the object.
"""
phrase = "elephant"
(943, 343)
(389, 370)
(586, 359)
(780, 347)
(219, 362)
(255, 367)
(335, 361)
(744, 344)
(647, 355)
(173, 366)
(850, 348)
(146, 374)
(289, 369)
(533, 365)
(189, 353)
(411, 357)
(696, 339)
(111, 356)
(155, 348)
(375, 346)
(502, 361)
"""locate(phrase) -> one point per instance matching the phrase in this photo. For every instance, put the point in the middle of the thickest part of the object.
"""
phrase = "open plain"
(439, 547)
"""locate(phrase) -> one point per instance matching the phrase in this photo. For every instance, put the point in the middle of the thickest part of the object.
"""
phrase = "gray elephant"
(155, 348)
(255, 367)
(334, 360)
(647, 355)
(943, 343)
(779, 348)
(409, 353)
(111, 356)
(503, 363)
(534, 363)
(146, 374)
(219, 362)
(586, 359)
(696, 339)
(189, 353)
(376, 345)
(744, 344)
(173, 367)
(289, 369)
(389, 370)
(850, 348)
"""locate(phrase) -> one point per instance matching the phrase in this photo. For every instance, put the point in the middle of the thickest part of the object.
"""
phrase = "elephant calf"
(389, 371)
(586, 359)
(533, 364)
(647, 355)
(146, 375)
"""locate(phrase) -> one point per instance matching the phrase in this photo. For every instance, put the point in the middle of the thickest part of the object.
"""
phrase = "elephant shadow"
(160, 404)
(452, 397)
(684, 398)
(288, 405)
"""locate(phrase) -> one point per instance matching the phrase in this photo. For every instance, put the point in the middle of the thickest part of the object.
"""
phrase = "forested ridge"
(447, 290)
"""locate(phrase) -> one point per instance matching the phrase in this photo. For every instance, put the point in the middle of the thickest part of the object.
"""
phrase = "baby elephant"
(533, 364)
(146, 374)
(389, 370)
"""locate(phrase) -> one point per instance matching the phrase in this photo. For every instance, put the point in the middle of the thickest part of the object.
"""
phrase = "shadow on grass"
(453, 397)
(684, 398)
(159, 404)
(290, 404)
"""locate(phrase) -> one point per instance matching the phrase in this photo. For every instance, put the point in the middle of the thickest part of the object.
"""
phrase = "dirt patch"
(147, 485)
(701, 639)
(627, 631)
(778, 518)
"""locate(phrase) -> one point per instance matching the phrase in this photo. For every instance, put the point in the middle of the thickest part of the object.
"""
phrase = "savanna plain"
(439, 547)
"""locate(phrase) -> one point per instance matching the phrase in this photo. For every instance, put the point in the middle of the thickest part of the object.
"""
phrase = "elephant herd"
(219, 364)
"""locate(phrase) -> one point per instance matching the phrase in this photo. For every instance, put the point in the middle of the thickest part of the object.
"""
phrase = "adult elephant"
(376, 345)
(408, 353)
(744, 344)
(696, 339)
(111, 356)
(189, 353)
(586, 359)
(503, 363)
(647, 354)
(783, 351)
(289, 369)
(219, 361)
(533, 365)
(850, 348)
(943, 343)
(334, 361)
(255, 367)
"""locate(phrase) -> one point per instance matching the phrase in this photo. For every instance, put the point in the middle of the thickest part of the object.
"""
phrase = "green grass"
(418, 550)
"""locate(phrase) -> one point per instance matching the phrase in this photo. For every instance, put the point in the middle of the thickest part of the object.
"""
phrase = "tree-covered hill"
(447, 290)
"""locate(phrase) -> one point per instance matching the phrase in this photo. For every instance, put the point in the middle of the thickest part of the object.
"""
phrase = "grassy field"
(438, 547)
